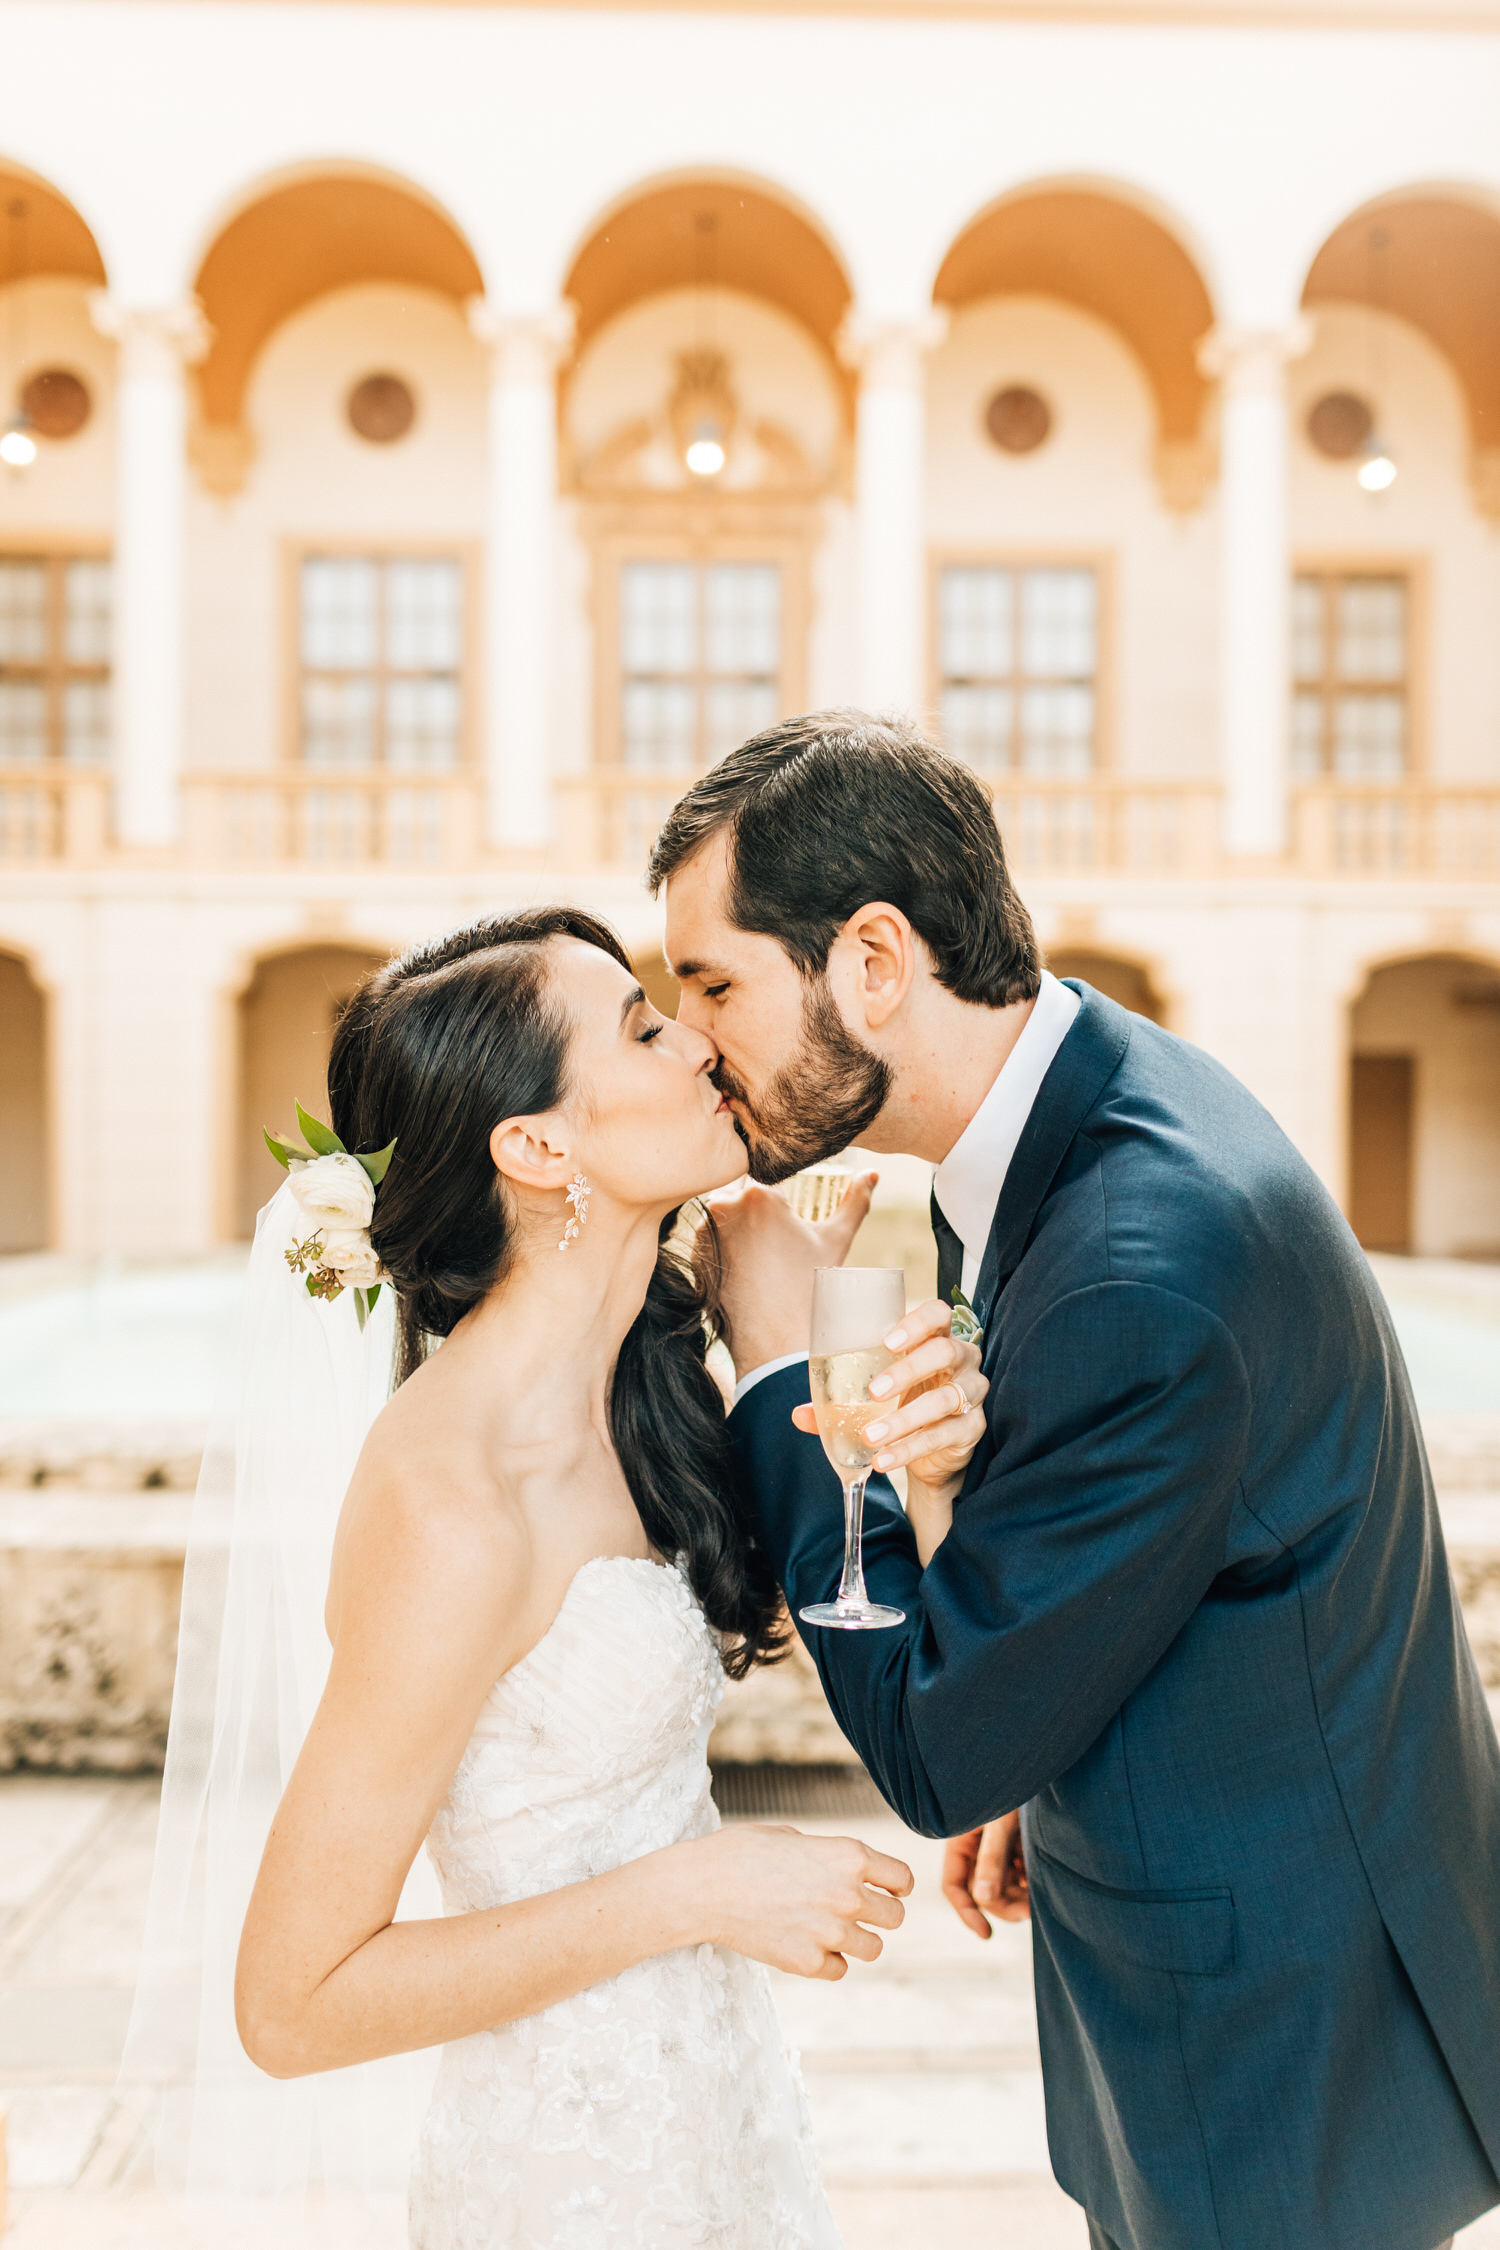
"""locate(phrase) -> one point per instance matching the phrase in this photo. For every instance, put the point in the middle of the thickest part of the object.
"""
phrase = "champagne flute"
(853, 1308)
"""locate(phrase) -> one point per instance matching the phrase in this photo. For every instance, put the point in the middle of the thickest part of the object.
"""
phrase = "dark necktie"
(950, 1252)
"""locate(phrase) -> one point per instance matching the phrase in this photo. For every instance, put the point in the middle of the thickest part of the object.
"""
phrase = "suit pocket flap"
(1184, 1933)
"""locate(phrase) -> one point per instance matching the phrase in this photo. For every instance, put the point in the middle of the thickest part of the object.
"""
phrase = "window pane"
(1369, 736)
(659, 728)
(23, 719)
(86, 720)
(733, 710)
(977, 624)
(421, 724)
(86, 611)
(1307, 629)
(658, 617)
(338, 722)
(1058, 624)
(340, 614)
(1307, 736)
(742, 618)
(1057, 729)
(979, 724)
(424, 616)
(23, 611)
(1370, 629)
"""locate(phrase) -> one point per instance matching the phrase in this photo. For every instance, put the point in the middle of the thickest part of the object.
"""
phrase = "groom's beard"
(815, 1104)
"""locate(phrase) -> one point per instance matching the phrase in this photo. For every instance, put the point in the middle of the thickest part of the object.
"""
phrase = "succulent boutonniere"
(965, 1320)
(337, 1192)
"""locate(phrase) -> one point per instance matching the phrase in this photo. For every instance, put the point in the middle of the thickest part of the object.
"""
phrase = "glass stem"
(852, 1584)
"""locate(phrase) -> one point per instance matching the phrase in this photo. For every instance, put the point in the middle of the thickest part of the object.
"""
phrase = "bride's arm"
(326, 1977)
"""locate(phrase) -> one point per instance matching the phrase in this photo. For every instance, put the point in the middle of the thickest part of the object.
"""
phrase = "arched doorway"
(1424, 1109)
(286, 1019)
(23, 1109)
(1124, 982)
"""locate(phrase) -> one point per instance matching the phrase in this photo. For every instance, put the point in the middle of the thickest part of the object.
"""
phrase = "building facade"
(429, 435)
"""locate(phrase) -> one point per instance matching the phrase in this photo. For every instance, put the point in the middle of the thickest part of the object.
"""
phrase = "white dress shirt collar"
(969, 1179)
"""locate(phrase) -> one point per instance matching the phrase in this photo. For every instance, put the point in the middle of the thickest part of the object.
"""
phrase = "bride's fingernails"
(883, 1460)
(875, 1431)
(879, 1386)
(894, 1342)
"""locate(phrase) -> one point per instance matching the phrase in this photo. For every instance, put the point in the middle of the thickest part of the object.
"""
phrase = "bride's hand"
(800, 1903)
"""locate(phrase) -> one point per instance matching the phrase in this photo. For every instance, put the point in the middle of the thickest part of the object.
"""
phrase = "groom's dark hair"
(831, 810)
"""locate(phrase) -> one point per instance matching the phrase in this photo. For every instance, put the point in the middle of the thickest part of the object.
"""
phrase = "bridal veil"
(314, 2160)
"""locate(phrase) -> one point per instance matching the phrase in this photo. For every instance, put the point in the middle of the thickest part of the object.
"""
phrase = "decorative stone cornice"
(890, 353)
(153, 339)
(524, 347)
(1252, 362)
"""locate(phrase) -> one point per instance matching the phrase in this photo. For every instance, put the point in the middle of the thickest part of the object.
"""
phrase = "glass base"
(852, 1617)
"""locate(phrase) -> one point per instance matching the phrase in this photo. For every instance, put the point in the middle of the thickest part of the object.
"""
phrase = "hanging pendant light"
(705, 452)
(1377, 464)
(706, 449)
(17, 443)
(1377, 470)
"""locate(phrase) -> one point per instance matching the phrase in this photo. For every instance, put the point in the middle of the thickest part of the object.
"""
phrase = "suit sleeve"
(1119, 1425)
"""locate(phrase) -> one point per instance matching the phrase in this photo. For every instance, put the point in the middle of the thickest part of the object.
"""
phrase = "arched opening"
(1122, 981)
(291, 245)
(658, 983)
(286, 1017)
(1430, 257)
(1107, 256)
(1424, 1108)
(23, 1109)
(704, 419)
(45, 235)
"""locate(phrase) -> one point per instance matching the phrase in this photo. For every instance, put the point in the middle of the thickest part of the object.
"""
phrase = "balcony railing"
(1103, 824)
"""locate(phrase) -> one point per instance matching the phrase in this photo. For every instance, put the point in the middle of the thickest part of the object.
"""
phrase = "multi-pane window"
(54, 658)
(1019, 656)
(382, 661)
(1350, 666)
(700, 660)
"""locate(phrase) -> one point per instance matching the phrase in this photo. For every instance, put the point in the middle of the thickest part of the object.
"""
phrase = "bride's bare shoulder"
(427, 1503)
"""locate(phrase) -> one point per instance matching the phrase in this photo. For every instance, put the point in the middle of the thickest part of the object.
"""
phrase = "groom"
(1194, 1613)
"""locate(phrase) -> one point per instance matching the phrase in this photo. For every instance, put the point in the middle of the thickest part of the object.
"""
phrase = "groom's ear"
(532, 1151)
(877, 955)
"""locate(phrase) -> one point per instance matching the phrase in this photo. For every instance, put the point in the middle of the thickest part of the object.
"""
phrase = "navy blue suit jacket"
(1195, 1615)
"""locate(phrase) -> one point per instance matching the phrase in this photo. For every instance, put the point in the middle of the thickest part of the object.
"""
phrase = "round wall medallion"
(1339, 424)
(56, 403)
(1018, 419)
(381, 409)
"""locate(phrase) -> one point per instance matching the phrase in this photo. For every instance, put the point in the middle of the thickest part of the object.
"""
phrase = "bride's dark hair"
(432, 1052)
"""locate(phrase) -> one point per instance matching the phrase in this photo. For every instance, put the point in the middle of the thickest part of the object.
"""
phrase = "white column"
(157, 343)
(1255, 579)
(890, 466)
(520, 581)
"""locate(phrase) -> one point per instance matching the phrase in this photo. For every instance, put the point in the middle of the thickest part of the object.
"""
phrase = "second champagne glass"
(853, 1309)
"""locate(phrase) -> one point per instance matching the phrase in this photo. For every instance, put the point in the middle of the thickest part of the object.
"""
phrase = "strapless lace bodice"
(659, 2109)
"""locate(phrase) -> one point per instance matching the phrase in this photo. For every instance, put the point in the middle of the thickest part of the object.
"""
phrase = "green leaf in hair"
(321, 1139)
(378, 1163)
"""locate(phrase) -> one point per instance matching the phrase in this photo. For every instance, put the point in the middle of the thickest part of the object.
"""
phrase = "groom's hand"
(768, 1258)
(986, 1870)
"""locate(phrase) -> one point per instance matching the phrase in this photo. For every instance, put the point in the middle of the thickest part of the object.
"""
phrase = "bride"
(537, 1583)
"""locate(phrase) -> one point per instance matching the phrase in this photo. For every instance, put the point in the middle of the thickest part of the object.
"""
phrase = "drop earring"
(577, 1193)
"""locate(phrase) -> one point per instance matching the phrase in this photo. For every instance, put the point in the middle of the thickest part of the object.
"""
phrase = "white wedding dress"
(658, 2110)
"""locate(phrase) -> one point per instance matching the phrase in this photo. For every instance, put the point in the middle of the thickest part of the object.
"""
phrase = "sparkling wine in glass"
(853, 1308)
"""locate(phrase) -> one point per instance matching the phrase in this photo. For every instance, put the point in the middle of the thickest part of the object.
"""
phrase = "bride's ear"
(532, 1152)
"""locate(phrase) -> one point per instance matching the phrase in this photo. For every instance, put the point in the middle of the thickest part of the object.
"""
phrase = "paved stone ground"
(922, 2071)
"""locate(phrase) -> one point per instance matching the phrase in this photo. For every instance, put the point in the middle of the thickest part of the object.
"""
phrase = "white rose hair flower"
(336, 1189)
(352, 1257)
